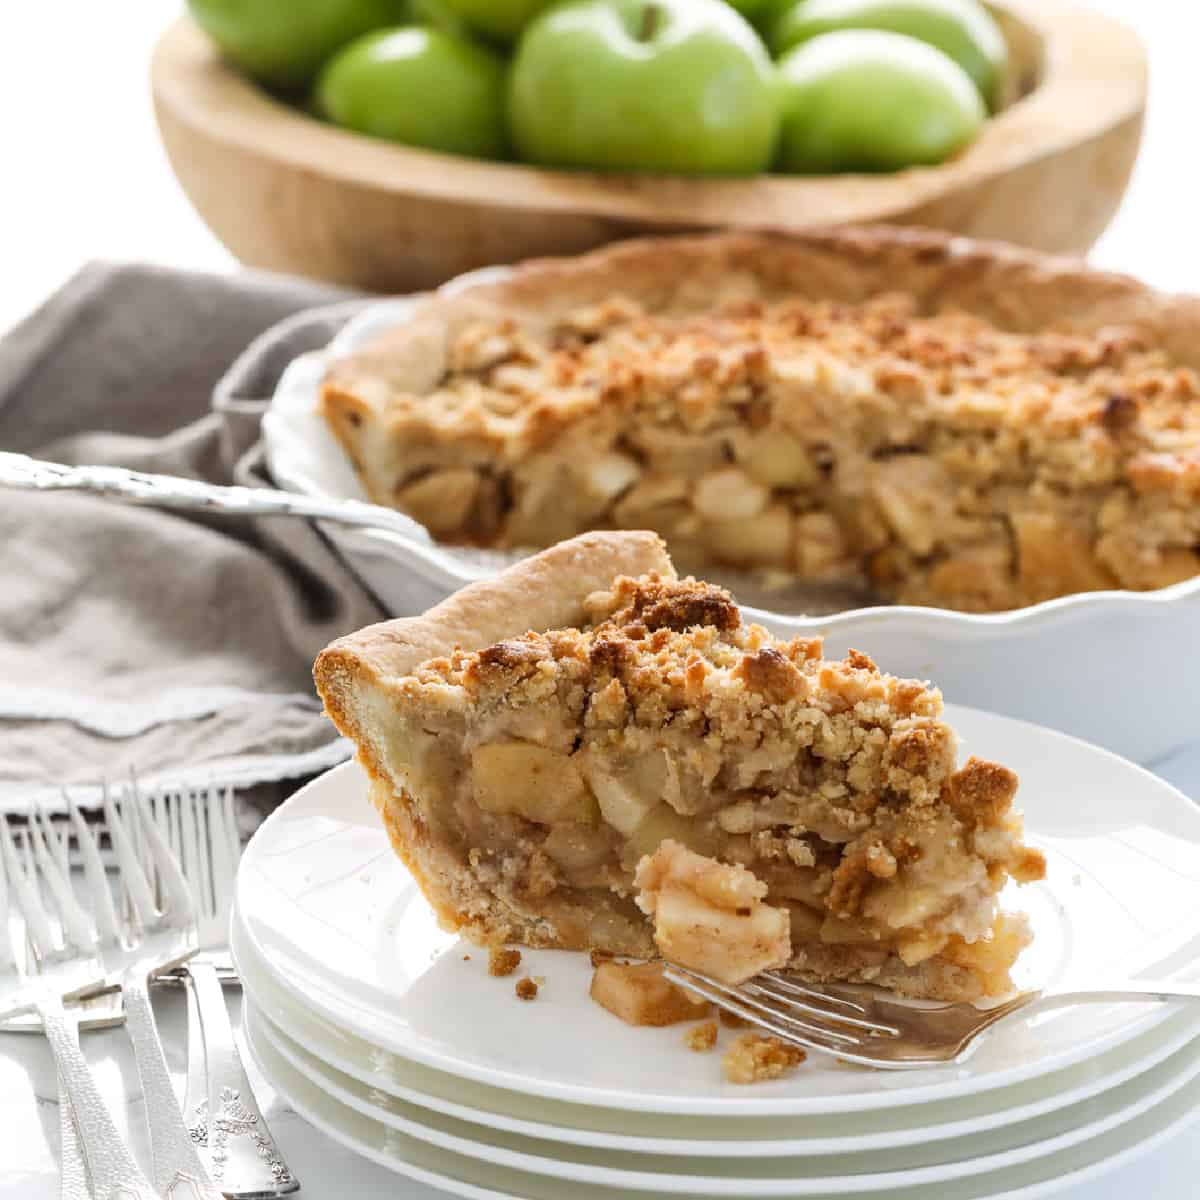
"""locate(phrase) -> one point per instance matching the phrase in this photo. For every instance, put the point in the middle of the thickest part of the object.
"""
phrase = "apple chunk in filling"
(711, 917)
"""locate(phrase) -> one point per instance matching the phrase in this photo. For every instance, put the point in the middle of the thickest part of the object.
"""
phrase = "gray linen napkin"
(132, 638)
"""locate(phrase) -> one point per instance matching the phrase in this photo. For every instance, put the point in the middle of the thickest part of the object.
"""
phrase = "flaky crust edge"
(355, 674)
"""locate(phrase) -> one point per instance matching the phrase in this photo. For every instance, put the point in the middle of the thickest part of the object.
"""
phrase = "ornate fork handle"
(111, 1167)
(177, 1165)
(245, 1159)
(169, 491)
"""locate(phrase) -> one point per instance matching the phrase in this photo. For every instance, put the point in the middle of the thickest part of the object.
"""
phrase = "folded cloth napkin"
(131, 638)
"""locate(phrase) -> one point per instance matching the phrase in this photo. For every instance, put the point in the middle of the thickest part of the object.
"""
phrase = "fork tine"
(59, 837)
(157, 802)
(93, 872)
(229, 816)
(133, 826)
(197, 850)
(8, 956)
(78, 930)
(791, 1028)
(795, 988)
(809, 1001)
(25, 893)
(214, 844)
(175, 817)
(224, 854)
(133, 879)
(178, 900)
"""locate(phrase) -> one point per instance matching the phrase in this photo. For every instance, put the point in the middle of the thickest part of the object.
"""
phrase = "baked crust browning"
(959, 424)
(525, 775)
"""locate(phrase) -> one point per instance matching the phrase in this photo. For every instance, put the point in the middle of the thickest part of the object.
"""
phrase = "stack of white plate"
(390, 1036)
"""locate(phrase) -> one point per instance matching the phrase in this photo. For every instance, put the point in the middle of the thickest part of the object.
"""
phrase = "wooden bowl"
(287, 192)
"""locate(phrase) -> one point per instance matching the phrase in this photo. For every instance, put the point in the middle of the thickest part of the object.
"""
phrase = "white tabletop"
(84, 177)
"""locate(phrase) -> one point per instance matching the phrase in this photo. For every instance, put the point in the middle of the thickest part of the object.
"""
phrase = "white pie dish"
(1105, 666)
(330, 910)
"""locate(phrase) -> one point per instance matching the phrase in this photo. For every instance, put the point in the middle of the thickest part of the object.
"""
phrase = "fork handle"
(176, 1163)
(1116, 988)
(170, 491)
(246, 1161)
(111, 1166)
(72, 1167)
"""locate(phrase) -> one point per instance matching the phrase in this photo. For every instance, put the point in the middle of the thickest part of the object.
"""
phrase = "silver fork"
(219, 1105)
(61, 971)
(151, 940)
(869, 1026)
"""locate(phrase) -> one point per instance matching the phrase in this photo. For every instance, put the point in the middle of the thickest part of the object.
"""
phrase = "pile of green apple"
(695, 87)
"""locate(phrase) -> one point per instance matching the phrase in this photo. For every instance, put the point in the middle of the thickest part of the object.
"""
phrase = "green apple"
(424, 87)
(439, 13)
(679, 86)
(283, 43)
(500, 20)
(864, 100)
(963, 29)
(752, 10)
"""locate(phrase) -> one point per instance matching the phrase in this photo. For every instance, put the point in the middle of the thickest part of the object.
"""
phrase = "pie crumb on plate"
(503, 960)
(757, 1058)
(701, 1037)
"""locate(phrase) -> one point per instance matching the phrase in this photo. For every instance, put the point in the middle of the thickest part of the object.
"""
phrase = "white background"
(82, 176)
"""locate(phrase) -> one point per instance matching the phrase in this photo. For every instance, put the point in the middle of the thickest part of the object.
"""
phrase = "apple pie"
(555, 749)
(951, 423)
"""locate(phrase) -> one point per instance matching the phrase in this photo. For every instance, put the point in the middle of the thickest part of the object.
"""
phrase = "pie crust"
(955, 423)
(524, 776)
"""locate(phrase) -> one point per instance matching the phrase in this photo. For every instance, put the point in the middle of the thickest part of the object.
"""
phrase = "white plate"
(330, 910)
(696, 1136)
(881, 1171)
(1039, 663)
(462, 1176)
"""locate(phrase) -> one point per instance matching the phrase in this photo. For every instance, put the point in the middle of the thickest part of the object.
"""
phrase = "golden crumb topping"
(701, 1037)
(527, 988)
(937, 371)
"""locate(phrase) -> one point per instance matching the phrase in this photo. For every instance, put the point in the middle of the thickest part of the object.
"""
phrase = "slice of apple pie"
(524, 776)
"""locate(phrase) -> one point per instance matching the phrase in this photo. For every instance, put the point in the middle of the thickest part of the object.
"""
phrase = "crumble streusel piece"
(710, 916)
(702, 1037)
(756, 1058)
(503, 960)
(527, 989)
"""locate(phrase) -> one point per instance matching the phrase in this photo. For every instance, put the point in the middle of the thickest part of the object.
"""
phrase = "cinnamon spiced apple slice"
(536, 736)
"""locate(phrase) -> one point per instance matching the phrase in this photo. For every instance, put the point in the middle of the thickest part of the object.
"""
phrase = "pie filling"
(935, 456)
(526, 781)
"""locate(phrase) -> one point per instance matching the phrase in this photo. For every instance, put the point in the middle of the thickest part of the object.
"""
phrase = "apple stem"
(651, 16)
